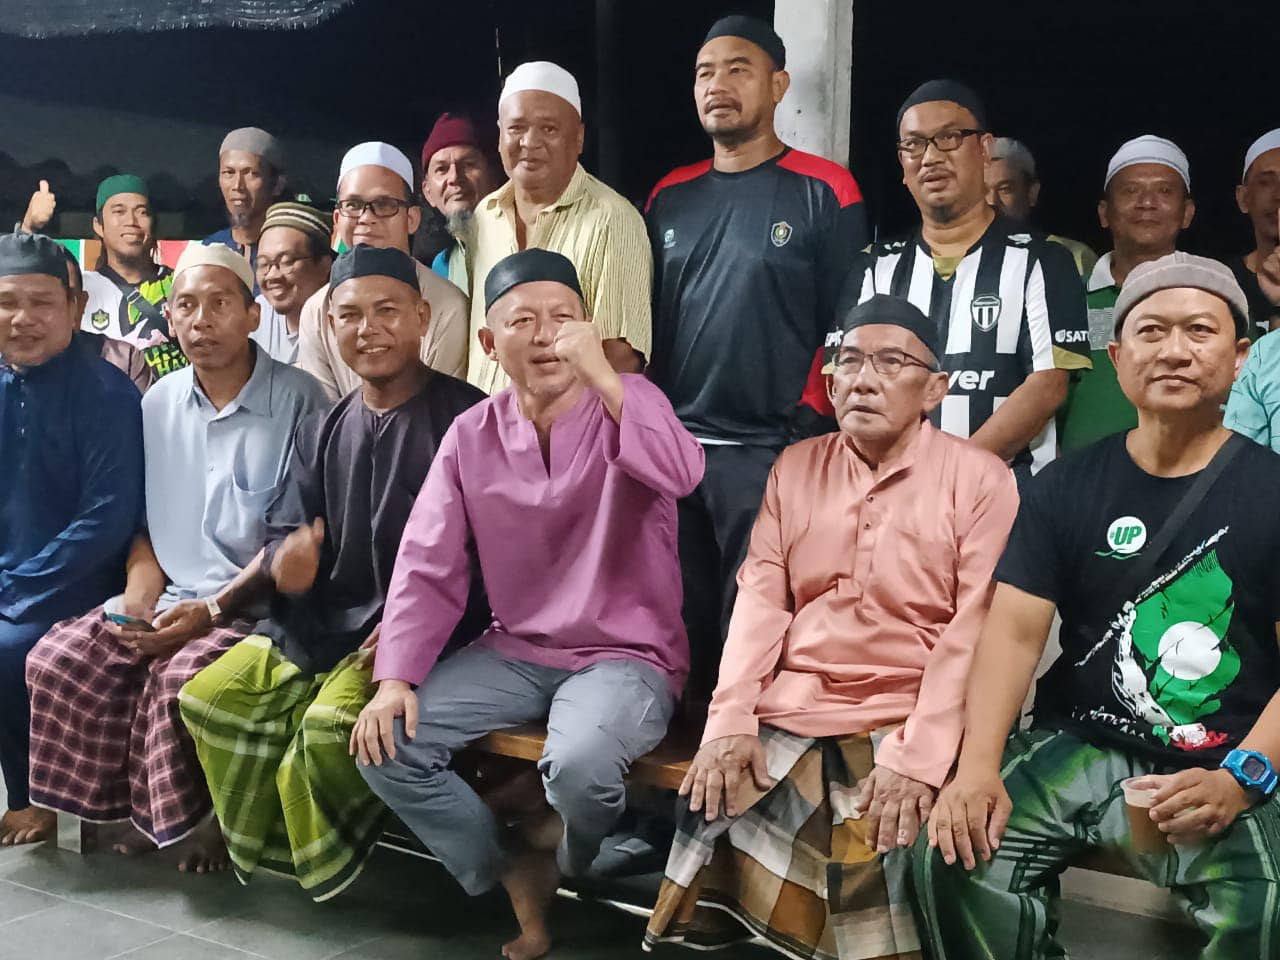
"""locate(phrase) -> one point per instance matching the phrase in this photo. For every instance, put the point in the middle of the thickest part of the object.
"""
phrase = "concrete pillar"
(814, 115)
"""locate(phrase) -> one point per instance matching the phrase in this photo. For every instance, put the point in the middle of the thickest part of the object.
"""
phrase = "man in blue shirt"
(70, 488)
(107, 743)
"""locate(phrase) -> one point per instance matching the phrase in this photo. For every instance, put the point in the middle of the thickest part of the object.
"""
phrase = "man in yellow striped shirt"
(552, 203)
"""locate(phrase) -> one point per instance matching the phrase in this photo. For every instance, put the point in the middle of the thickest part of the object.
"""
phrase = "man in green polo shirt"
(1146, 203)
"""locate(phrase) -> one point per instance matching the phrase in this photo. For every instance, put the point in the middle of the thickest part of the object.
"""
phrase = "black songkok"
(753, 30)
(950, 90)
(367, 261)
(24, 253)
(528, 266)
(897, 312)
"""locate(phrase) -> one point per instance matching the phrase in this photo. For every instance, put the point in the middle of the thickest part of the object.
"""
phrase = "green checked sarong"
(1067, 799)
(273, 743)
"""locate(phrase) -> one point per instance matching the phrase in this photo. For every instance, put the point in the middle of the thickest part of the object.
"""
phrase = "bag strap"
(148, 312)
(1142, 569)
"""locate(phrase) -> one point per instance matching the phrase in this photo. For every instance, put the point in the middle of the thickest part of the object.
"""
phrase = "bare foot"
(531, 882)
(29, 825)
(527, 946)
(134, 843)
(205, 851)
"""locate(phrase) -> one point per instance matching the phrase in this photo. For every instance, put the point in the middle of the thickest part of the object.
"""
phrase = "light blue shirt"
(273, 334)
(1254, 406)
(210, 474)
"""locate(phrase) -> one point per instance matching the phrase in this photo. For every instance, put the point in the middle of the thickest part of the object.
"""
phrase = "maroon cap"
(450, 130)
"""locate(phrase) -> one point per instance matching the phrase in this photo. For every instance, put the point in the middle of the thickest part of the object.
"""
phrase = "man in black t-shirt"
(750, 252)
(1169, 668)
(1258, 197)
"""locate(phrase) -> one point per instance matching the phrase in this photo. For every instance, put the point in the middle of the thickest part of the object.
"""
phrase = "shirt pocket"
(918, 573)
(238, 525)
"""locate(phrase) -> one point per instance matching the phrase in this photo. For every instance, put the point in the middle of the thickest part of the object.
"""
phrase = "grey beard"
(238, 221)
(461, 225)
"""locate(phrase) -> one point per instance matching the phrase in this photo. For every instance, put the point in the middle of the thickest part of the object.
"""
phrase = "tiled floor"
(56, 905)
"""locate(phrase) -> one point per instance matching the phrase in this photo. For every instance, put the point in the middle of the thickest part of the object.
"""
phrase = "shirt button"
(866, 526)
(871, 499)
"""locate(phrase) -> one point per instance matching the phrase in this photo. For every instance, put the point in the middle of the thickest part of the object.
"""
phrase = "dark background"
(1072, 81)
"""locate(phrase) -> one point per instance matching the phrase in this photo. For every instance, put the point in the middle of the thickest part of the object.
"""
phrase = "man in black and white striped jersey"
(1009, 303)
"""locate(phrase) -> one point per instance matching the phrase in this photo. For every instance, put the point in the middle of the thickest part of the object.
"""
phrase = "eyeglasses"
(946, 141)
(888, 362)
(382, 207)
(284, 263)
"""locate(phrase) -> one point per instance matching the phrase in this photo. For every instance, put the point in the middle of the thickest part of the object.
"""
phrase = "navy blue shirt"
(747, 271)
(71, 484)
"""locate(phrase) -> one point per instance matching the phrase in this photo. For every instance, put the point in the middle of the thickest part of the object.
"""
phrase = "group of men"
(314, 520)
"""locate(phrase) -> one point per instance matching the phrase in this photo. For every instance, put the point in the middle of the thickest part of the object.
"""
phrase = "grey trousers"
(599, 720)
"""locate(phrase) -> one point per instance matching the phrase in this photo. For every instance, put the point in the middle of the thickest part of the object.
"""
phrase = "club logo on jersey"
(99, 320)
(1125, 537)
(985, 312)
(669, 238)
(780, 233)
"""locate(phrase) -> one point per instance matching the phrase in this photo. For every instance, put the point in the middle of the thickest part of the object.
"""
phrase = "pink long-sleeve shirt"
(579, 561)
(861, 597)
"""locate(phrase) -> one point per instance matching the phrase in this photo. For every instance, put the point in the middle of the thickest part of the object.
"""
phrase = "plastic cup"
(1139, 798)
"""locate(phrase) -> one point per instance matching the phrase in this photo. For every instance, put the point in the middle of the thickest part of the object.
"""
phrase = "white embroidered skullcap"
(1268, 141)
(377, 154)
(545, 76)
(1150, 149)
(214, 255)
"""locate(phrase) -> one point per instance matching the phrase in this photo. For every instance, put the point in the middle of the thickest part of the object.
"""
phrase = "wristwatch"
(1252, 771)
(215, 612)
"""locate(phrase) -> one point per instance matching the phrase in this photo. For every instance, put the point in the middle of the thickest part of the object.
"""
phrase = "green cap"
(120, 183)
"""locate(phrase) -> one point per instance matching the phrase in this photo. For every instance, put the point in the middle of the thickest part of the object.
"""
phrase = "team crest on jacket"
(99, 319)
(780, 233)
(985, 312)
(668, 238)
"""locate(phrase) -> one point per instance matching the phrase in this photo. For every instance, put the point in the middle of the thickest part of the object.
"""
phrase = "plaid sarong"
(1067, 800)
(273, 743)
(794, 869)
(106, 741)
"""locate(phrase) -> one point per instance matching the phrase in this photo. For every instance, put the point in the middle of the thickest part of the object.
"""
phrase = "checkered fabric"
(107, 743)
(794, 869)
(1067, 799)
(273, 742)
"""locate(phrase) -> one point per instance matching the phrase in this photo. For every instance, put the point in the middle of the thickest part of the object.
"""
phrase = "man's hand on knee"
(895, 806)
(969, 817)
(720, 770)
(374, 732)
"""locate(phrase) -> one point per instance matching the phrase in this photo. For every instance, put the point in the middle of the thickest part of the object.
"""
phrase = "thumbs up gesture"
(296, 563)
(40, 209)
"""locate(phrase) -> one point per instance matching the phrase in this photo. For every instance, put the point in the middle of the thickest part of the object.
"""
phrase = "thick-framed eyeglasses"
(887, 362)
(284, 263)
(382, 207)
(946, 141)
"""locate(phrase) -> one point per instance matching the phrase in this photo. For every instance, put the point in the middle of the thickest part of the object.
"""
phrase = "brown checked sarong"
(107, 741)
(794, 869)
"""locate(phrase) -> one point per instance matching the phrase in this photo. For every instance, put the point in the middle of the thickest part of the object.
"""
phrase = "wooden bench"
(664, 767)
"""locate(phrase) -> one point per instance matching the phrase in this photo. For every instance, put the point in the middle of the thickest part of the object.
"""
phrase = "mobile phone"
(133, 623)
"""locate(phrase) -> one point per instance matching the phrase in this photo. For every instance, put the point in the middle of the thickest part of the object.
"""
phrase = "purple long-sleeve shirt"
(579, 561)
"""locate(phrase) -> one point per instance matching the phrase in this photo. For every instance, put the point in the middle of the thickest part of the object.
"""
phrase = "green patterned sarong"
(273, 743)
(1067, 799)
